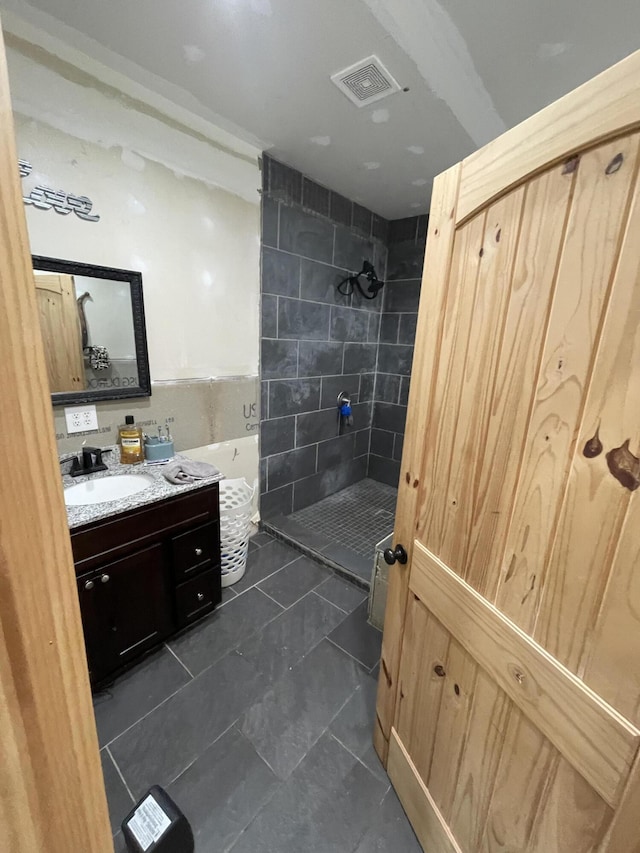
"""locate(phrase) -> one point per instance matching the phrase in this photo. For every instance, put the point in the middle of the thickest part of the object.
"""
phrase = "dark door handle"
(399, 555)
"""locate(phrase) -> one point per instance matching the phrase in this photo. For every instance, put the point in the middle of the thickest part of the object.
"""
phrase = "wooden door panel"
(598, 213)
(60, 327)
(463, 439)
(449, 368)
(526, 763)
(616, 639)
(520, 586)
(597, 740)
(595, 503)
(490, 713)
(546, 207)
(421, 683)
(451, 727)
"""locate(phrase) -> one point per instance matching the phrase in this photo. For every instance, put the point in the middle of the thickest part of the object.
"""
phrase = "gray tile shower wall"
(406, 244)
(315, 342)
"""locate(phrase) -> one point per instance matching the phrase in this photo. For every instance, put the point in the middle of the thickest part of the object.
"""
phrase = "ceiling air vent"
(365, 82)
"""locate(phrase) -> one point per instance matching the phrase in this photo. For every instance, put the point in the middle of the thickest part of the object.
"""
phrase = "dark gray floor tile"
(260, 539)
(326, 806)
(285, 723)
(358, 638)
(222, 791)
(223, 630)
(294, 581)
(390, 831)
(350, 559)
(290, 636)
(228, 593)
(136, 693)
(264, 562)
(343, 594)
(120, 845)
(301, 533)
(163, 744)
(118, 799)
(353, 726)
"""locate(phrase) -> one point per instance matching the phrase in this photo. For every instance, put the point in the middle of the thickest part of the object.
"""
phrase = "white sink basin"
(104, 489)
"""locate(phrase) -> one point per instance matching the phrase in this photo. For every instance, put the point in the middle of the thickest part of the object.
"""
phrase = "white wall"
(197, 245)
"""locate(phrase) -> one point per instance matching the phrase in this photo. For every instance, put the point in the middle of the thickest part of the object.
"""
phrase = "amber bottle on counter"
(131, 447)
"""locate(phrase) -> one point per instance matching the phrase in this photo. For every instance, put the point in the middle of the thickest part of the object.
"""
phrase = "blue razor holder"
(158, 451)
(345, 410)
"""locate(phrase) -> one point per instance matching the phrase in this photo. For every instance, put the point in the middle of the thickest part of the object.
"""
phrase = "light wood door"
(509, 695)
(61, 335)
(52, 797)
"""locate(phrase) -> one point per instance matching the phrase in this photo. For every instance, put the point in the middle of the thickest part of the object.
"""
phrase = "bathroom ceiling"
(261, 69)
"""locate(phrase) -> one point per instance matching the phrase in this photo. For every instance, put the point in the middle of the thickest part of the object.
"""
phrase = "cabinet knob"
(89, 585)
(200, 596)
(198, 552)
(105, 579)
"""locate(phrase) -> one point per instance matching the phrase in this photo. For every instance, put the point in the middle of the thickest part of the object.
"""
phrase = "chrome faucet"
(89, 462)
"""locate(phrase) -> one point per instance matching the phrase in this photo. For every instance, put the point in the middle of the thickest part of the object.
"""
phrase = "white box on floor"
(379, 585)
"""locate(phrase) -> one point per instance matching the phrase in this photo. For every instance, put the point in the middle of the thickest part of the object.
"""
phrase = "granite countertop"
(157, 491)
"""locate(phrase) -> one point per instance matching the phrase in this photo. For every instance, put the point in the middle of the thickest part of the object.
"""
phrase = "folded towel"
(188, 471)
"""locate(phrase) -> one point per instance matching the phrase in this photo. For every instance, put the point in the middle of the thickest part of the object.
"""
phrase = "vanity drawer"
(195, 550)
(114, 536)
(195, 597)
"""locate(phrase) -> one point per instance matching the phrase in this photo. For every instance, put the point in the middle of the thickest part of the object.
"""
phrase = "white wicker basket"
(235, 526)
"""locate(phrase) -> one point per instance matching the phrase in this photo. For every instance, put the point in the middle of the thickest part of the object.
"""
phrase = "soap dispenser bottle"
(131, 448)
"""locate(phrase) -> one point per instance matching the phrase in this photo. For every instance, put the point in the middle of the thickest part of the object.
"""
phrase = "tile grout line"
(119, 772)
(271, 598)
(358, 759)
(168, 647)
(348, 654)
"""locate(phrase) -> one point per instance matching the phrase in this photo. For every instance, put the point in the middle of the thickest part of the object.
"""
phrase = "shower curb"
(316, 556)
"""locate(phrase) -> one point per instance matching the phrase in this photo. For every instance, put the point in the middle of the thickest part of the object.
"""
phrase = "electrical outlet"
(81, 418)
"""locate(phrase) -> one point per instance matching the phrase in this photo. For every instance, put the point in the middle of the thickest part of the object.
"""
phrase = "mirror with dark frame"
(92, 323)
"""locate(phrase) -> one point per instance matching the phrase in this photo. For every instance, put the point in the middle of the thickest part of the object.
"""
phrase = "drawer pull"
(89, 585)
(104, 579)
(198, 552)
(200, 596)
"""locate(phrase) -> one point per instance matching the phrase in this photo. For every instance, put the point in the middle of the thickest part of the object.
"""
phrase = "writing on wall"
(46, 198)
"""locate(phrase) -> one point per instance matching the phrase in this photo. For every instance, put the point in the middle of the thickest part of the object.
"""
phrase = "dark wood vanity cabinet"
(144, 574)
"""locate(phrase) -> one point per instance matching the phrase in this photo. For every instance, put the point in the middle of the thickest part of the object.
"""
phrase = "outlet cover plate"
(81, 418)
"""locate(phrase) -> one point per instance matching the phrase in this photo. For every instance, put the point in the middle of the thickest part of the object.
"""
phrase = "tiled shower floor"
(346, 526)
(258, 720)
